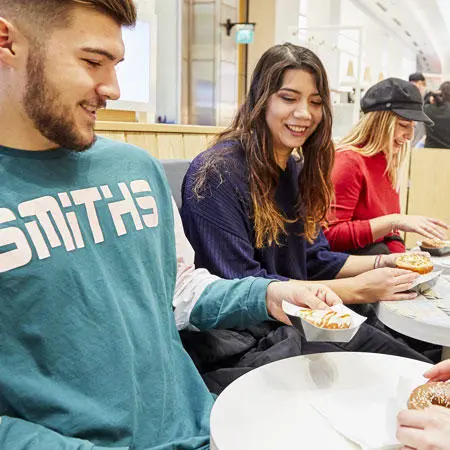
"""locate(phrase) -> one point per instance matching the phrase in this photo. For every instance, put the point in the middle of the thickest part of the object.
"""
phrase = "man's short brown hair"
(36, 19)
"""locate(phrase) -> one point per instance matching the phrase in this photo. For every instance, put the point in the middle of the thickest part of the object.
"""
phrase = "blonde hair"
(374, 133)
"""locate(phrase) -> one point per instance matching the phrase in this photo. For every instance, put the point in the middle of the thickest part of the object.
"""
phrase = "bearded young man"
(93, 260)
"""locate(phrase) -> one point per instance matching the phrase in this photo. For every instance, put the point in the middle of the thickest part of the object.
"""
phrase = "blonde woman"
(365, 215)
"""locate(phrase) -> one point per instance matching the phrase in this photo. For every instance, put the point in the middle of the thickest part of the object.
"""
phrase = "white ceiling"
(424, 25)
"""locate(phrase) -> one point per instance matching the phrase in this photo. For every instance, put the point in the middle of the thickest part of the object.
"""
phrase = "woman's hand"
(439, 372)
(314, 296)
(425, 226)
(385, 284)
(424, 430)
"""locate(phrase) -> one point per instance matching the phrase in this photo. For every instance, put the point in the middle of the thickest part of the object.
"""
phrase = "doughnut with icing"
(432, 393)
(417, 263)
(323, 318)
(435, 243)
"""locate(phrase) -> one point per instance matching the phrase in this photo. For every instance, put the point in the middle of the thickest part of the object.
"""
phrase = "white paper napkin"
(367, 416)
(429, 278)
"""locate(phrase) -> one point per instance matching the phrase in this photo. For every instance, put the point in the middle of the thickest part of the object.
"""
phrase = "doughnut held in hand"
(417, 263)
(432, 393)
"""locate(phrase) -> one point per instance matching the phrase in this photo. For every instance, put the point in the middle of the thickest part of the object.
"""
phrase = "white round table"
(269, 407)
(418, 327)
(413, 327)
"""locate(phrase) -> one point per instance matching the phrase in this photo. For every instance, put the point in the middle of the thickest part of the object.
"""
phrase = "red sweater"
(363, 191)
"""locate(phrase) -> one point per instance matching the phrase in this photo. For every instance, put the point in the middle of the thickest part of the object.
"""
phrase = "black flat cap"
(396, 95)
(416, 76)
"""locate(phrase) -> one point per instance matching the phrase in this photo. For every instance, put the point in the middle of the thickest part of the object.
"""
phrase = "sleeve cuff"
(257, 304)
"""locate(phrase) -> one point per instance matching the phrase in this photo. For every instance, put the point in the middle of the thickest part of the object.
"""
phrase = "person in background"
(438, 135)
(365, 215)
(431, 98)
(429, 428)
(252, 205)
(95, 271)
(418, 80)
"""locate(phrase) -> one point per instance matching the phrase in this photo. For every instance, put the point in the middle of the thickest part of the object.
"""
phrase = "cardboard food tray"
(316, 334)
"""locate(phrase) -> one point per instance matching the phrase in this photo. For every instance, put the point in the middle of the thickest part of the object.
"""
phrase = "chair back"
(175, 170)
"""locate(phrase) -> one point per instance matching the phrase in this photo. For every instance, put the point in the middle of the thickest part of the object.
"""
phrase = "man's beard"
(52, 119)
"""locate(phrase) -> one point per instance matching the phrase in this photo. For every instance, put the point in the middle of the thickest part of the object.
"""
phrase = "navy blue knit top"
(220, 229)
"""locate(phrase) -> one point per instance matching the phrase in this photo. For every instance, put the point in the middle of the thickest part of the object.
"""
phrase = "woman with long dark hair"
(253, 204)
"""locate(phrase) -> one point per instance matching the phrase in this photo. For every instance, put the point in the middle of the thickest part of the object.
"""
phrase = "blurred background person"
(418, 80)
(438, 136)
(365, 215)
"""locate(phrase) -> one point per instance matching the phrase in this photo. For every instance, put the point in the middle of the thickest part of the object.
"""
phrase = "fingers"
(400, 296)
(439, 223)
(412, 418)
(312, 300)
(418, 253)
(433, 228)
(397, 272)
(326, 295)
(439, 372)
(403, 290)
(410, 429)
(404, 279)
(332, 299)
(429, 233)
(425, 429)
(439, 411)
(410, 437)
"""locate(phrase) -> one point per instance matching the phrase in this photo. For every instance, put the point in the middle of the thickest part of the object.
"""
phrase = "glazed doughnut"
(412, 261)
(323, 318)
(432, 393)
(435, 243)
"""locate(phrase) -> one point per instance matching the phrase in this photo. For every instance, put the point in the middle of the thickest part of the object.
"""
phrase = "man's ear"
(8, 44)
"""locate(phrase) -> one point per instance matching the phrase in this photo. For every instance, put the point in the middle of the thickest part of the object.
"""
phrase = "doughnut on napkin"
(367, 416)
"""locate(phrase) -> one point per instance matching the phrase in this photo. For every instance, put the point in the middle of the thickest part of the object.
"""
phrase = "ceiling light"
(381, 6)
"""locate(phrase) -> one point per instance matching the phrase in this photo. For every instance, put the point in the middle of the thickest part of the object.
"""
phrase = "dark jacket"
(438, 136)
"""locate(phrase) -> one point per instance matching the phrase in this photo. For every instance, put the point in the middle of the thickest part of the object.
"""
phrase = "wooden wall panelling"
(147, 141)
(193, 145)
(170, 145)
(210, 138)
(404, 182)
(162, 140)
(115, 135)
(429, 187)
(113, 115)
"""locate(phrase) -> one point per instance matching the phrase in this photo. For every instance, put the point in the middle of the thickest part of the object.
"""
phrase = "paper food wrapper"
(312, 333)
(367, 417)
(429, 278)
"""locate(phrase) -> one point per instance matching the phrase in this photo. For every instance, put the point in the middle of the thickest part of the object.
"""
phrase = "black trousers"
(221, 356)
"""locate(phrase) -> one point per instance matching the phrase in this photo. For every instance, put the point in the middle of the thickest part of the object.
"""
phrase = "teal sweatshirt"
(90, 354)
